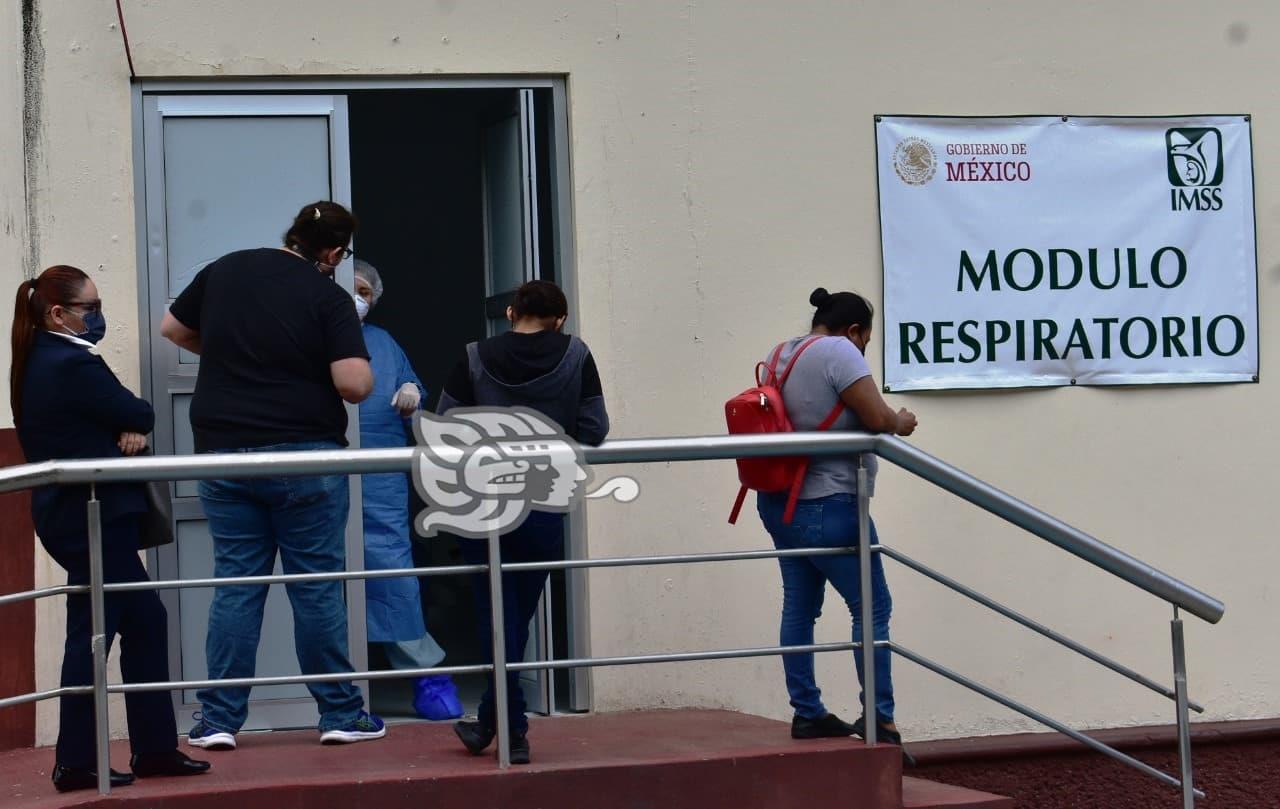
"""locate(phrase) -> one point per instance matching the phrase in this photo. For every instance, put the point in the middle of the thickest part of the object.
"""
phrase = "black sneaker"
(884, 734)
(829, 726)
(475, 736)
(519, 748)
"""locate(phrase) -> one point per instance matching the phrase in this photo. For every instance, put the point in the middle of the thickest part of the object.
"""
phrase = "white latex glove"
(407, 399)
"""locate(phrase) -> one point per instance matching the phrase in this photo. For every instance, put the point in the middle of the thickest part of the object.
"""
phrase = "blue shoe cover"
(436, 698)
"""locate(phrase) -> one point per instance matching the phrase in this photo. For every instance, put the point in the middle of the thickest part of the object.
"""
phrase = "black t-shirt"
(270, 324)
(514, 358)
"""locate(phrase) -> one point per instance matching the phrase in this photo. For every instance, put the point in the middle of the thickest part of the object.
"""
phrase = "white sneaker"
(201, 735)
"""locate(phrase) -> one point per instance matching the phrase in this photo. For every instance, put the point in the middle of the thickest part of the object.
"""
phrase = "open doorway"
(453, 189)
(462, 188)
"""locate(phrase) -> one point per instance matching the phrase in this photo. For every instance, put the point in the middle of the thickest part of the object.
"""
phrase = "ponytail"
(24, 334)
(56, 286)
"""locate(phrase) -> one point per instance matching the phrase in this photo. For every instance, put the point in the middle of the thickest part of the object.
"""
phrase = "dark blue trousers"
(142, 624)
(539, 539)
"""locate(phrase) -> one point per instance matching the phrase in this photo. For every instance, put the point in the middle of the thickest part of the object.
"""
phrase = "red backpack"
(760, 410)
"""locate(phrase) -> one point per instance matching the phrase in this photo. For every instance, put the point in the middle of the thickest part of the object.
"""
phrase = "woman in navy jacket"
(68, 404)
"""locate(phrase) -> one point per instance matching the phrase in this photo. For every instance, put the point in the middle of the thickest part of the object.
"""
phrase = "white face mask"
(362, 306)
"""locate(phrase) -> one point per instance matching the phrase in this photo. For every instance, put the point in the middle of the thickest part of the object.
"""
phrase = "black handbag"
(157, 524)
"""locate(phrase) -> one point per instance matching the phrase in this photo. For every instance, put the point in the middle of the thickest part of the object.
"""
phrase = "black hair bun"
(819, 298)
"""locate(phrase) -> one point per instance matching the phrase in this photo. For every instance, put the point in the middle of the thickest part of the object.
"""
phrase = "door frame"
(564, 250)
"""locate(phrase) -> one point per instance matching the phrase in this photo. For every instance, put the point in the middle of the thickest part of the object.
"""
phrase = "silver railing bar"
(866, 608)
(1184, 722)
(1074, 541)
(1031, 713)
(285, 578)
(44, 592)
(678, 559)
(679, 657)
(694, 448)
(456, 570)
(1034, 626)
(479, 668)
(400, 459)
(498, 647)
(38, 696)
(294, 679)
(98, 643)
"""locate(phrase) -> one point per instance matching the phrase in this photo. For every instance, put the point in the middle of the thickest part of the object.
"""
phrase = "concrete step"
(917, 793)
(679, 759)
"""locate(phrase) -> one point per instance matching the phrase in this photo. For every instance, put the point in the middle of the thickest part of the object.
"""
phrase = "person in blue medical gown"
(394, 606)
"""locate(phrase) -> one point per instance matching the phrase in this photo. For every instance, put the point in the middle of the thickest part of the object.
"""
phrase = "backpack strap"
(737, 505)
(792, 363)
(798, 482)
(771, 367)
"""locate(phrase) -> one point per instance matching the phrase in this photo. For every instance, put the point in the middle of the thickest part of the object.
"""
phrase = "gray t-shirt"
(825, 369)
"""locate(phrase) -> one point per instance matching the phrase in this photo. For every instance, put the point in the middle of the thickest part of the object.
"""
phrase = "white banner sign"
(1043, 251)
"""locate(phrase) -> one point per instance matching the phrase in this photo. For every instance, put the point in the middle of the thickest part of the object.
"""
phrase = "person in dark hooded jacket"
(534, 365)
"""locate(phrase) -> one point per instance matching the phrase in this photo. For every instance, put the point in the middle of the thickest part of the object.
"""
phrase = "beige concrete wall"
(723, 166)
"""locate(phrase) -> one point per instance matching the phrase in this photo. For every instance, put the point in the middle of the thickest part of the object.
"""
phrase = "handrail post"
(1184, 724)
(98, 643)
(497, 625)
(869, 711)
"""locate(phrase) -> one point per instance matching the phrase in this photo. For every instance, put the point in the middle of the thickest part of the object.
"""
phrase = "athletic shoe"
(519, 748)
(363, 728)
(210, 738)
(829, 726)
(475, 736)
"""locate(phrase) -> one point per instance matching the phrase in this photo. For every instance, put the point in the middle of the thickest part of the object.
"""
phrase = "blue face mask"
(95, 325)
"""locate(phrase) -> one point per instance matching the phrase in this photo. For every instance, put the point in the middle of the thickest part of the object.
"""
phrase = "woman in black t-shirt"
(280, 350)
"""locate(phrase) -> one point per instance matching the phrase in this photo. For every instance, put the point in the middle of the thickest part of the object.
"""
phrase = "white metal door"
(224, 173)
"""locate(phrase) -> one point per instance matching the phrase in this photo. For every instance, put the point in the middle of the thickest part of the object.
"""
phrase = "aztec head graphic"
(482, 470)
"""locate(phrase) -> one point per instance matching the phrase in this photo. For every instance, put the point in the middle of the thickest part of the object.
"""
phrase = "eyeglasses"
(347, 253)
(89, 307)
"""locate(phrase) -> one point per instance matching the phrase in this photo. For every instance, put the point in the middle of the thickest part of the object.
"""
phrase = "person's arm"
(847, 372)
(864, 399)
(100, 398)
(345, 349)
(179, 334)
(181, 324)
(410, 392)
(593, 418)
(352, 378)
(458, 390)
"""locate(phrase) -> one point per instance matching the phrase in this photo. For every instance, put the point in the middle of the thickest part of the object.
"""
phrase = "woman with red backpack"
(828, 384)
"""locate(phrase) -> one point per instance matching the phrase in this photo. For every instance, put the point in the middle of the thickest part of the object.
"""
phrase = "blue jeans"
(539, 539)
(825, 522)
(305, 520)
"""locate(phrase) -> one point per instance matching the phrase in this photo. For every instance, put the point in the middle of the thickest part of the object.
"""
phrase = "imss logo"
(1195, 168)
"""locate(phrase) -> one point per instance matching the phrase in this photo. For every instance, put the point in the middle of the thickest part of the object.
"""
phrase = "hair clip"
(317, 213)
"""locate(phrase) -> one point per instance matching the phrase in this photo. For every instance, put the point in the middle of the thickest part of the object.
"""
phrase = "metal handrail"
(693, 448)
(280, 464)
(1034, 626)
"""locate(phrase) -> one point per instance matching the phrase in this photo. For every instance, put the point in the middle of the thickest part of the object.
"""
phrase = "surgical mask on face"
(95, 327)
(362, 306)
